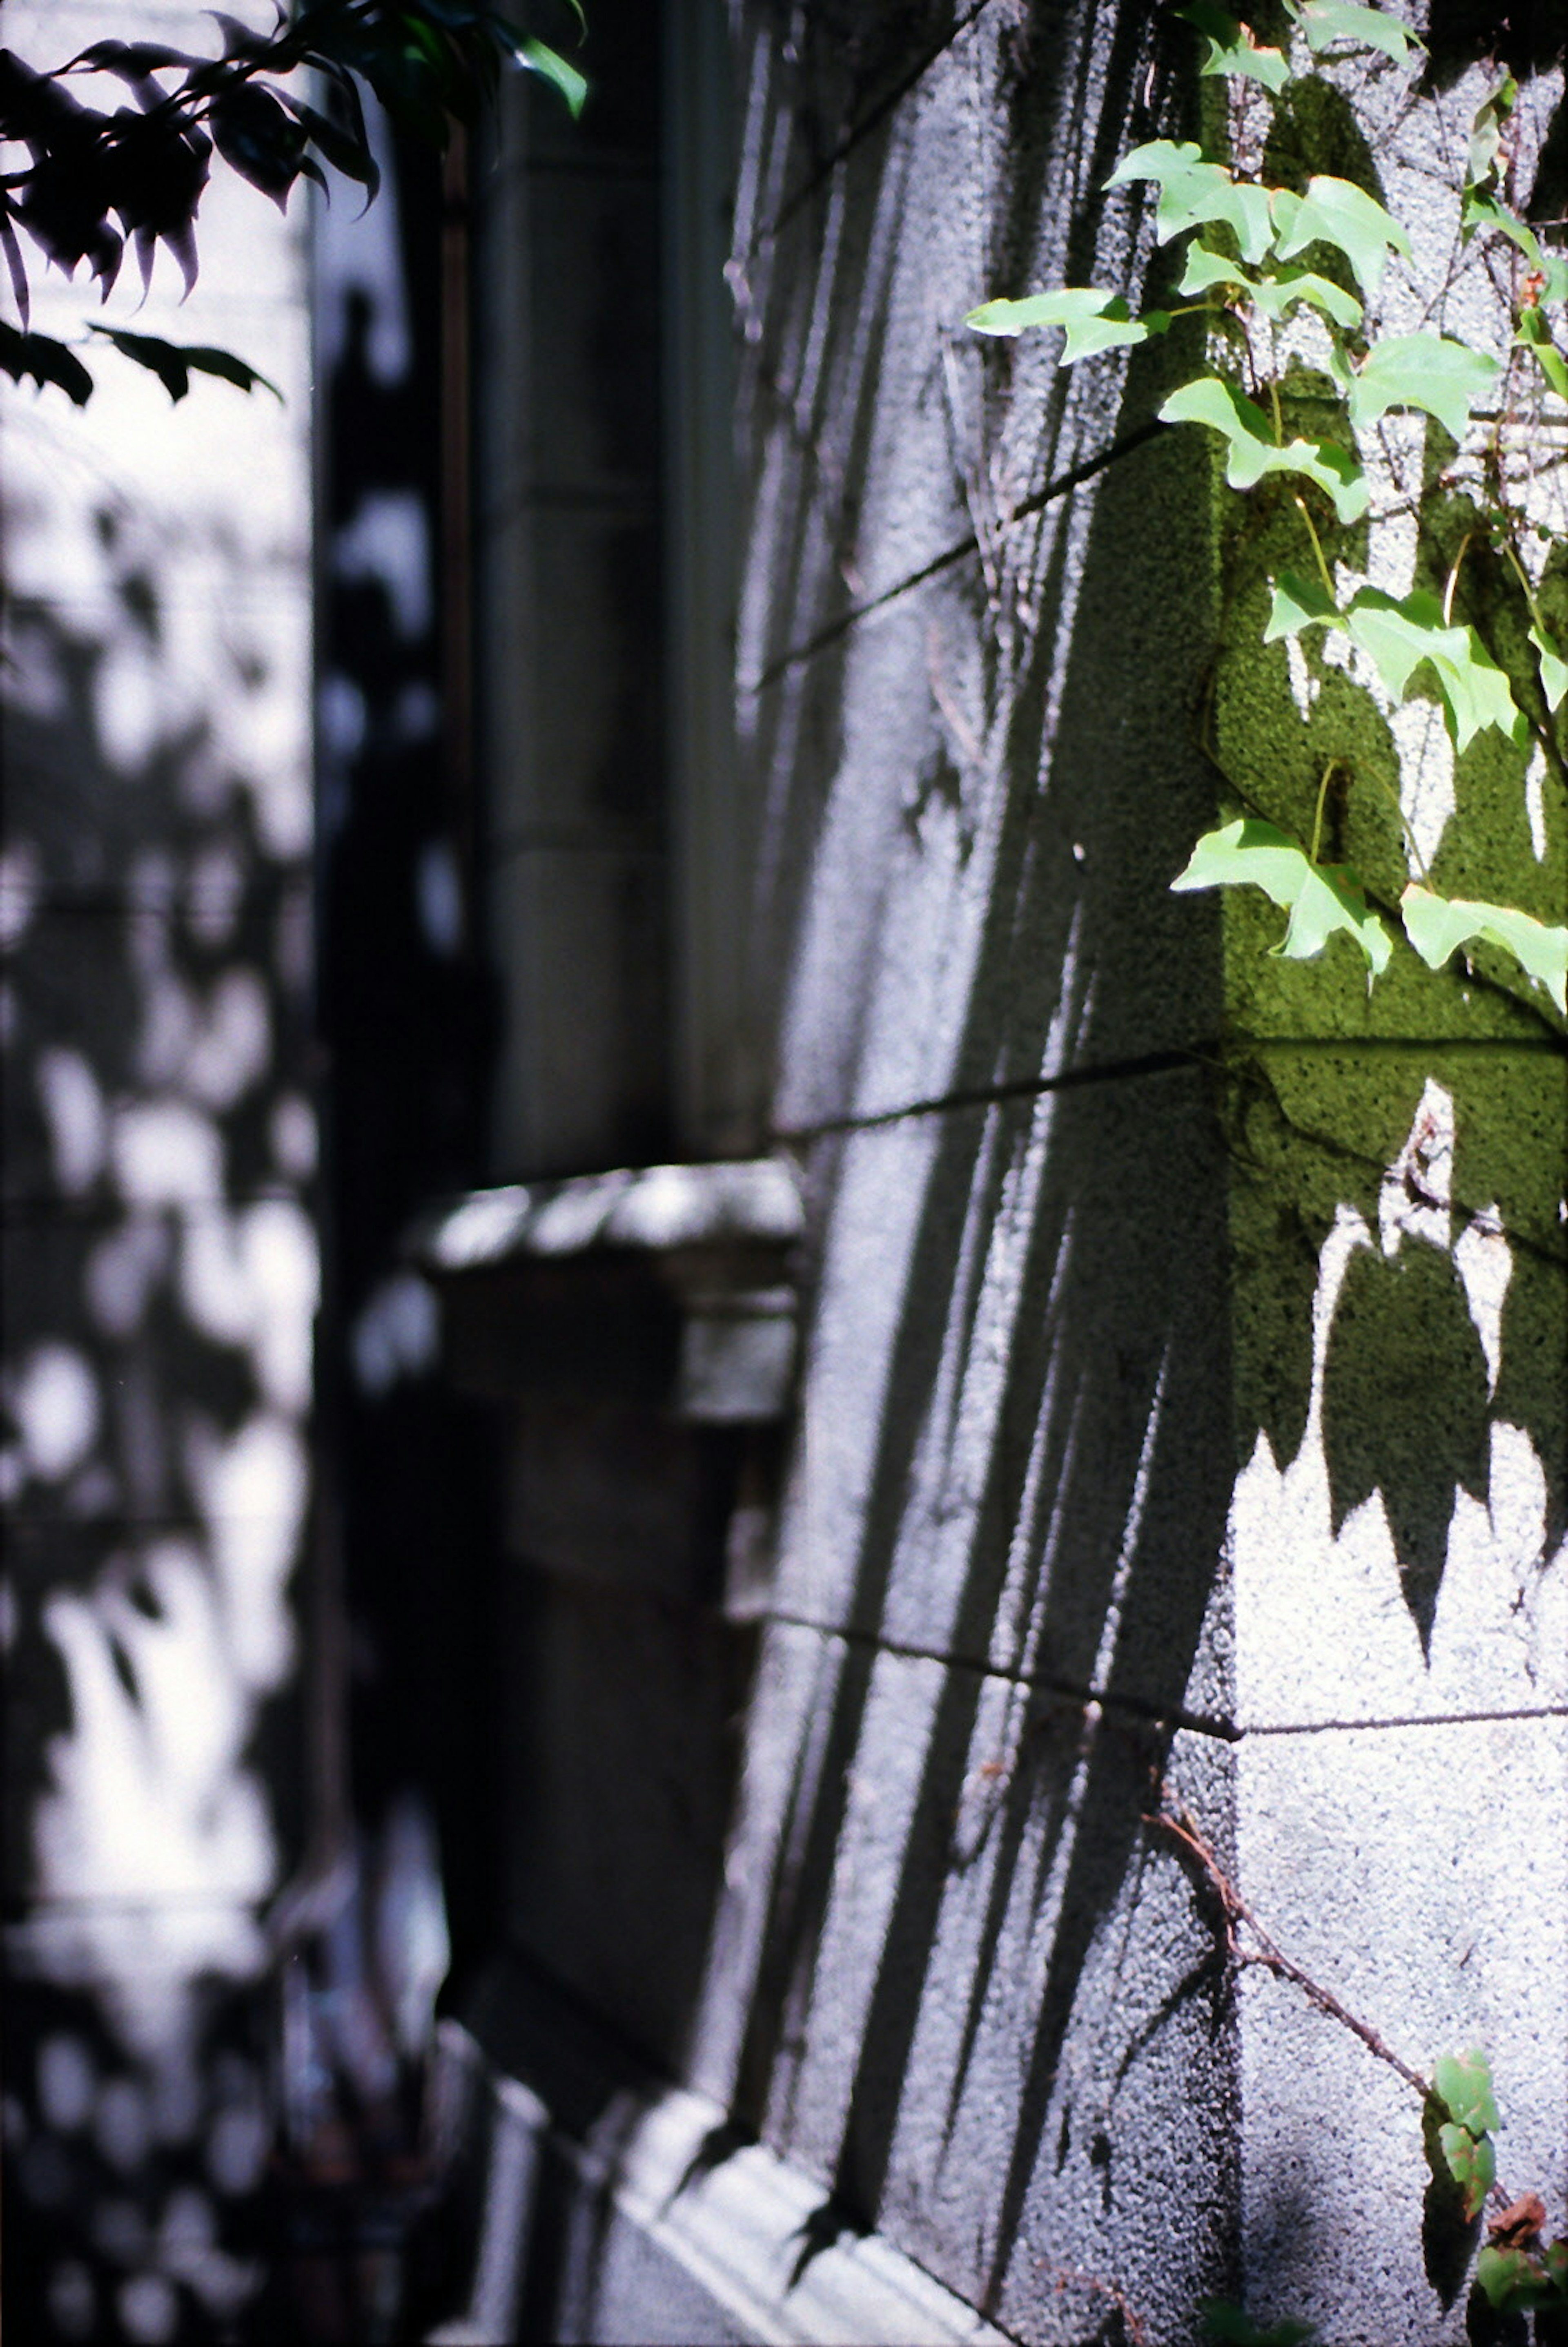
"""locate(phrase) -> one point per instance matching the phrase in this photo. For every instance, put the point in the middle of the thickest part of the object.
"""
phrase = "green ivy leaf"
(1296, 603)
(1512, 2281)
(1205, 268)
(1535, 336)
(44, 360)
(1482, 209)
(1275, 293)
(1320, 899)
(1462, 2082)
(174, 363)
(1231, 48)
(1554, 667)
(1324, 22)
(1335, 212)
(538, 58)
(1471, 2161)
(1193, 192)
(1398, 637)
(1427, 371)
(1486, 135)
(1094, 321)
(1252, 450)
(1278, 293)
(1436, 926)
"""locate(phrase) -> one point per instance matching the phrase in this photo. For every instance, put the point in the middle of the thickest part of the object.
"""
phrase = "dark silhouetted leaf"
(174, 363)
(44, 360)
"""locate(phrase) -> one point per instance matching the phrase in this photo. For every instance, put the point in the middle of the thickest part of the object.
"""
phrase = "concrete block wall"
(1180, 1412)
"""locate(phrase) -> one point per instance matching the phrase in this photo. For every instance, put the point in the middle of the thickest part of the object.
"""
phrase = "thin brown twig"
(1261, 1948)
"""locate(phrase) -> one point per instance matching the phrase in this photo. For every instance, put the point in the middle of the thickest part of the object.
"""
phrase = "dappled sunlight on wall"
(160, 1281)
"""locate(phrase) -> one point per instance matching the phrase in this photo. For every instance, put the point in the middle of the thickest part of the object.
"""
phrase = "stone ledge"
(668, 1287)
(718, 2236)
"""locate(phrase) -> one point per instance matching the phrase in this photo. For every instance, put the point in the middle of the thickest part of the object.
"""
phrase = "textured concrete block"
(1401, 1316)
(981, 2009)
(965, 879)
(1015, 1439)
(883, 436)
(1418, 1873)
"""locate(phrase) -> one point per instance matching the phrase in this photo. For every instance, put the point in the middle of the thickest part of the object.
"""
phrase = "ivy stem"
(1523, 577)
(1323, 570)
(1417, 858)
(1448, 592)
(1329, 771)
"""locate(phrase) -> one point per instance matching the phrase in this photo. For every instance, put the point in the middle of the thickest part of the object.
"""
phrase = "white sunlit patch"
(251, 1489)
(291, 1130)
(174, 1642)
(73, 1111)
(1535, 803)
(147, 1867)
(233, 1046)
(148, 2309)
(129, 705)
(169, 1014)
(438, 894)
(396, 1336)
(1484, 1262)
(1417, 1195)
(165, 1153)
(251, 1279)
(388, 542)
(1304, 686)
(1426, 795)
(55, 1402)
(20, 884)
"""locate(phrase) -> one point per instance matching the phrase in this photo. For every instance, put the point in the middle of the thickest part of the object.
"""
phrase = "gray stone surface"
(978, 2003)
(1015, 1417)
(1181, 1397)
(963, 879)
(1418, 1872)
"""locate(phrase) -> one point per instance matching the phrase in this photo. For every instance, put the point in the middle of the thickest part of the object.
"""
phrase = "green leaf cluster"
(1467, 2117)
(1266, 254)
(97, 183)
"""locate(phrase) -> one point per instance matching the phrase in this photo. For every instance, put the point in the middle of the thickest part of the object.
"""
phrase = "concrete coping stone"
(647, 1210)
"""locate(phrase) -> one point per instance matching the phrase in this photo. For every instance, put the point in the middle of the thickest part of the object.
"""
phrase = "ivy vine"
(1285, 279)
(1283, 283)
